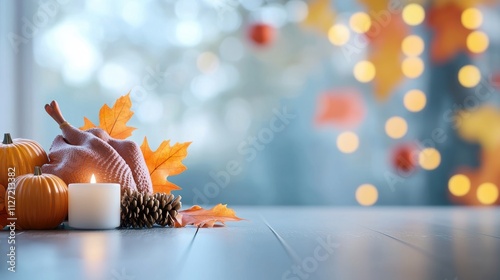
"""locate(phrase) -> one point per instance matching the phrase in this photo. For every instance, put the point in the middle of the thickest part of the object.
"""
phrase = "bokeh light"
(469, 76)
(459, 185)
(413, 45)
(415, 100)
(207, 62)
(413, 14)
(429, 158)
(412, 67)
(364, 71)
(472, 18)
(477, 41)
(188, 33)
(347, 142)
(360, 22)
(487, 193)
(339, 34)
(396, 127)
(366, 195)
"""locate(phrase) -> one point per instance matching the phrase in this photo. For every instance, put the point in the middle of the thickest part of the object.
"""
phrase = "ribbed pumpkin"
(41, 201)
(3, 207)
(23, 154)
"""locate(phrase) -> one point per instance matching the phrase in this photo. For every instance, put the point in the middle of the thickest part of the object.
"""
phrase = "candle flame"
(92, 179)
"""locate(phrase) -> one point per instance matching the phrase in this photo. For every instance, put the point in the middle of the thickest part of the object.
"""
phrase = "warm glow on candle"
(92, 179)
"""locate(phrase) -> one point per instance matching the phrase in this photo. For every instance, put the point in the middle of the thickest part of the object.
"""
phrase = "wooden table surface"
(275, 243)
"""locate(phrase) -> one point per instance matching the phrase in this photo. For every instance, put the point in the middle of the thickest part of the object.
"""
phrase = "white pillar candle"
(94, 205)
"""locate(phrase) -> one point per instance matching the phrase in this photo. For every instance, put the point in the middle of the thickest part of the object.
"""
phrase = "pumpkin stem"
(38, 171)
(7, 139)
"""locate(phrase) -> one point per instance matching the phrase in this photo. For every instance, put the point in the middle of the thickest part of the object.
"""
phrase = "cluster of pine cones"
(139, 210)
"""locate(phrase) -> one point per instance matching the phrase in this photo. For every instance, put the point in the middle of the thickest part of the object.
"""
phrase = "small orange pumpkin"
(19, 156)
(3, 207)
(41, 201)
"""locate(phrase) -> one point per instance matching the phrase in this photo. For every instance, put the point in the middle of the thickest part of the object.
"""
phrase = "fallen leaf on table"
(165, 161)
(114, 120)
(200, 217)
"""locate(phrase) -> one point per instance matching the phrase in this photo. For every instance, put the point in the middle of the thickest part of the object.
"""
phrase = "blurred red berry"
(261, 34)
(404, 158)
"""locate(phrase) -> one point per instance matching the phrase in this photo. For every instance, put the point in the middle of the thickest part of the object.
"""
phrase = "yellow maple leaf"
(385, 54)
(114, 119)
(320, 16)
(165, 161)
(200, 217)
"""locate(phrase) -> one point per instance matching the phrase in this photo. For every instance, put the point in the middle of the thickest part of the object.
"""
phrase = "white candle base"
(94, 206)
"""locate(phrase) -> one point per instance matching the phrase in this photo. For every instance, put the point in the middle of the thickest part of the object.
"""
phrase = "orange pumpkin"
(41, 201)
(19, 157)
(3, 207)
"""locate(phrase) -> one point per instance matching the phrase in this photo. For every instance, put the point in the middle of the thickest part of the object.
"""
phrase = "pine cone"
(140, 210)
(168, 207)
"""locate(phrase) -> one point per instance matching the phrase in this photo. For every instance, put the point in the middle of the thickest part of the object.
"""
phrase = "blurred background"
(286, 102)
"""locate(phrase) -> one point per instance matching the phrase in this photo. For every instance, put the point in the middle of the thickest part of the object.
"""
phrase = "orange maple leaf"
(200, 217)
(341, 108)
(114, 120)
(165, 161)
(450, 37)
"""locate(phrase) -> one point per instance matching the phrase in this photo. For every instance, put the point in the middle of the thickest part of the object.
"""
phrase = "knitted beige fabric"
(77, 154)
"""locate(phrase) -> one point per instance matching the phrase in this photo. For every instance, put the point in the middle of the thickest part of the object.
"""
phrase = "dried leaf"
(446, 44)
(481, 126)
(87, 124)
(464, 3)
(200, 217)
(342, 108)
(320, 16)
(165, 161)
(386, 55)
(375, 5)
(114, 120)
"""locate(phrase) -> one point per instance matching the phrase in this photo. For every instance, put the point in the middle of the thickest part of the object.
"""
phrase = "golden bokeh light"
(413, 45)
(366, 195)
(347, 142)
(364, 71)
(415, 100)
(472, 18)
(360, 22)
(396, 127)
(487, 193)
(412, 67)
(459, 185)
(477, 42)
(429, 158)
(339, 34)
(469, 76)
(413, 14)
